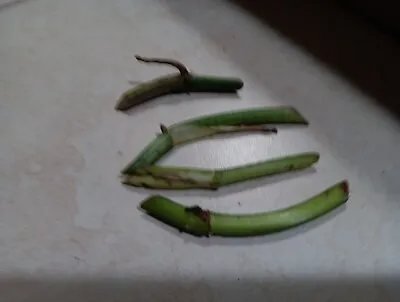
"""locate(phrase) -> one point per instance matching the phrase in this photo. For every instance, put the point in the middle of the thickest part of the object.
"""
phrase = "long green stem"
(188, 133)
(254, 119)
(253, 116)
(199, 222)
(158, 177)
(163, 143)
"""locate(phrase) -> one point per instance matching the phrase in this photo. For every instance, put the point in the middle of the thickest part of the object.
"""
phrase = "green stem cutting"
(199, 222)
(182, 82)
(157, 177)
(252, 116)
(254, 120)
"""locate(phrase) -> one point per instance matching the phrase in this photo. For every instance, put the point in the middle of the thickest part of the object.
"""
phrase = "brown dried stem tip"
(182, 68)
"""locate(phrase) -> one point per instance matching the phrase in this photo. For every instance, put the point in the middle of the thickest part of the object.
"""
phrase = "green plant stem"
(163, 143)
(252, 116)
(188, 133)
(183, 82)
(254, 119)
(158, 177)
(199, 222)
(175, 83)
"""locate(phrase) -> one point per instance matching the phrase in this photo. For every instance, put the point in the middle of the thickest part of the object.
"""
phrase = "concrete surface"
(69, 231)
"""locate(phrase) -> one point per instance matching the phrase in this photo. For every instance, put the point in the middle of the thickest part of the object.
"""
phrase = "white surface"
(70, 232)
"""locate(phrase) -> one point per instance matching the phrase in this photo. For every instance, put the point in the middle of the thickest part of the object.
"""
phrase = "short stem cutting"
(183, 82)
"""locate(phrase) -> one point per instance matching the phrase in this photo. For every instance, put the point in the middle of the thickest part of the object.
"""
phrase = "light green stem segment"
(188, 133)
(164, 142)
(158, 177)
(255, 119)
(176, 83)
(155, 150)
(149, 90)
(253, 116)
(199, 222)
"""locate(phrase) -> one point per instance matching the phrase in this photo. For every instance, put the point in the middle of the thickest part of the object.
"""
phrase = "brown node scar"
(163, 128)
(204, 215)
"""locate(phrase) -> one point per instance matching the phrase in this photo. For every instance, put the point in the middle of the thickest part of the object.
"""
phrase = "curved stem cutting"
(199, 222)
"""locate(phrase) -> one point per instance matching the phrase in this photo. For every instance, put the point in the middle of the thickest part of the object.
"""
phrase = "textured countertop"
(69, 231)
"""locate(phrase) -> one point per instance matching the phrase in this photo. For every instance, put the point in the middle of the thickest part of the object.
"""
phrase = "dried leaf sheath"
(174, 63)
(199, 222)
(158, 177)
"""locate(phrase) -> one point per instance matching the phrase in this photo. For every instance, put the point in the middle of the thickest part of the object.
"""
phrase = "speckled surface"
(70, 232)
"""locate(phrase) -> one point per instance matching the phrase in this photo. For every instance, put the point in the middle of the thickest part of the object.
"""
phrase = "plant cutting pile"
(142, 171)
